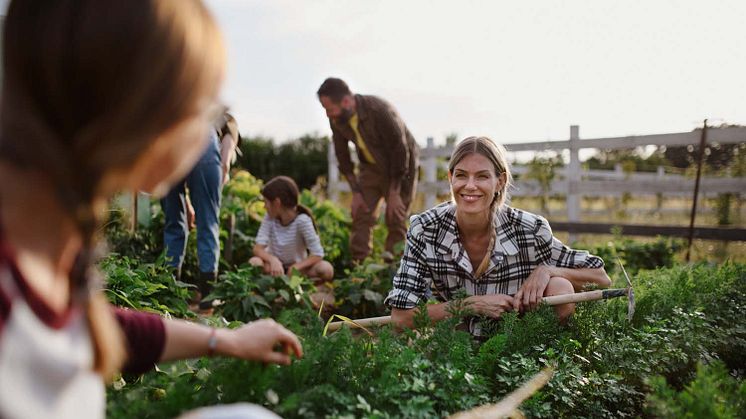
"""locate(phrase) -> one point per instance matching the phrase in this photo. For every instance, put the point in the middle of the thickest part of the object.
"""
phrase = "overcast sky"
(515, 71)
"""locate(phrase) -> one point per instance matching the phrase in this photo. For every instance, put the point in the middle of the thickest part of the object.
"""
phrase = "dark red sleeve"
(5, 305)
(146, 337)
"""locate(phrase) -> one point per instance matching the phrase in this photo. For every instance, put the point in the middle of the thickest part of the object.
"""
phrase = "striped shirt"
(435, 259)
(291, 243)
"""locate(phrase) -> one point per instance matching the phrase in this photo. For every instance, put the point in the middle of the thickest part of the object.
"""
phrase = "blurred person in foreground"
(97, 97)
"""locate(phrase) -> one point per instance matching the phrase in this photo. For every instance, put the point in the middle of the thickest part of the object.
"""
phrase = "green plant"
(360, 293)
(247, 294)
(143, 243)
(636, 255)
(712, 394)
(145, 286)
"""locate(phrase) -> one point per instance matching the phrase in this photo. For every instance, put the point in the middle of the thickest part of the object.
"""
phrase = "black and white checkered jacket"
(434, 257)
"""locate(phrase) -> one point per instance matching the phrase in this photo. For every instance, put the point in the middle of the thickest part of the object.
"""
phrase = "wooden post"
(332, 183)
(573, 179)
(700, 159)
(431, 174)
(659, 195)
(618, 175)
(133, 212)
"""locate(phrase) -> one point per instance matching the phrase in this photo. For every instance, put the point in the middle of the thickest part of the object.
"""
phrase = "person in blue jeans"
(201, 206)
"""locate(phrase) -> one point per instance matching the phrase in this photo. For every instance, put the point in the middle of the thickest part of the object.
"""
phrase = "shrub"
(247, 294)
(145, 286)
(712, 394)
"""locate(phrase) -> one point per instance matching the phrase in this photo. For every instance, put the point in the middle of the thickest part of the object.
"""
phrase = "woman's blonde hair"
(495, 153)
(88, 85)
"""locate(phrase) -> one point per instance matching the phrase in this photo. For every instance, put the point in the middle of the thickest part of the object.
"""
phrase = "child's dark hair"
(285, 188)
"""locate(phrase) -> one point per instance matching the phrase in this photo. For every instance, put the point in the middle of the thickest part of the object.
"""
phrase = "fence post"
(332, 181)
(143, 209)
(573, 179)
(660, 173)
(700, 160)
(431, 174)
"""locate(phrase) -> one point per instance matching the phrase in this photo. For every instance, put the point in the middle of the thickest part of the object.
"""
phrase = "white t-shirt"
(46, 360)
(291, 243)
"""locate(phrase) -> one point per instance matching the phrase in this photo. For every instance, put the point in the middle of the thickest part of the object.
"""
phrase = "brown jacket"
(388, 139)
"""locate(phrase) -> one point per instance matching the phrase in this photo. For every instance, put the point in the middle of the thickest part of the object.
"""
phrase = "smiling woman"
(505, 259)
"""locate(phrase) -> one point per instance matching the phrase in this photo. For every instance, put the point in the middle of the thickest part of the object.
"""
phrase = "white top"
(290, 243)
(45, 370)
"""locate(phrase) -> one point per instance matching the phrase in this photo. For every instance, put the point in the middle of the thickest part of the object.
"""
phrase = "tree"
(304, 159)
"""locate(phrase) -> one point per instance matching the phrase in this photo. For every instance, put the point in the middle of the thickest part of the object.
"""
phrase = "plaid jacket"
(434, 258)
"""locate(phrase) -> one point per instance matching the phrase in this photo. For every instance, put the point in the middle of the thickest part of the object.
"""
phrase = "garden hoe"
(552, 301)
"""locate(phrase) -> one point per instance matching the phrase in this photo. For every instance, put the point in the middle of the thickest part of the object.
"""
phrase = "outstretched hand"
(257, 341)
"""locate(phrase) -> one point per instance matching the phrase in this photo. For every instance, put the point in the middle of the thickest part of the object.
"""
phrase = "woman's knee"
(560, 286)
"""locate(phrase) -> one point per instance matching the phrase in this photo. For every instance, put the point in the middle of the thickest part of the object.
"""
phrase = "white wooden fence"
(573, 182)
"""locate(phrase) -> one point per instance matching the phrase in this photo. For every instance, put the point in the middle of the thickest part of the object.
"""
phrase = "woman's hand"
(492, 305)
(532, 291)
(258, 340)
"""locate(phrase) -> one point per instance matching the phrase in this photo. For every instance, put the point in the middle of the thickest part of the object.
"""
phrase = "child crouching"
(287, 238)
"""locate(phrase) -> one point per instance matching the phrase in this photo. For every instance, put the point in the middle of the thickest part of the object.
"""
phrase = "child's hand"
(275, 267)
(257, 341)
(290, 269)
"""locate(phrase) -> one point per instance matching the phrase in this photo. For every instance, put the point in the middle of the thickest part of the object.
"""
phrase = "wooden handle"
(552, 301)
(573, 298)
(371, 321)
(585, 296)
